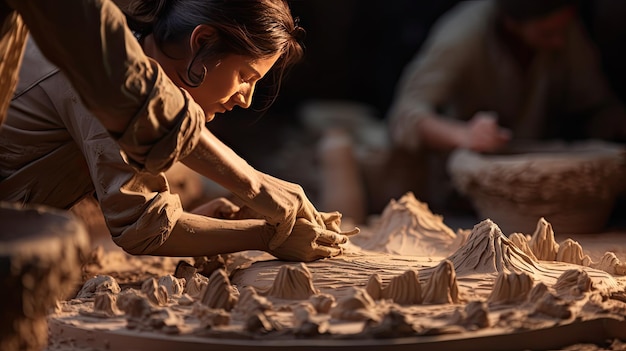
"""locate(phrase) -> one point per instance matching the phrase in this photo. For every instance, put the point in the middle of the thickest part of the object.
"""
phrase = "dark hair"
(251, 28)
(525, 10)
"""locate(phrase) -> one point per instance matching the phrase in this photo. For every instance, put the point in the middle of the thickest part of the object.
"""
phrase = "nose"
(244, 97)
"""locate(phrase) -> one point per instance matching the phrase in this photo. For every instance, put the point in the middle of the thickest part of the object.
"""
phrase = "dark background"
(356, 50)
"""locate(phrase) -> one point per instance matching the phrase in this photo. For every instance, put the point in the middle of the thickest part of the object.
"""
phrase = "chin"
(209, 116)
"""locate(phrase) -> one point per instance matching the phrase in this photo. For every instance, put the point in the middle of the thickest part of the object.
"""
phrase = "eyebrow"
(255, 73)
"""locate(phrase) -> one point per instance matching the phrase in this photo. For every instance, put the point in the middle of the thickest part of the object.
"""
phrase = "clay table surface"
(342, 272)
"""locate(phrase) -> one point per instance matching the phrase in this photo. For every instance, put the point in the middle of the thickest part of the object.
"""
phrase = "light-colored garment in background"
(464, 68)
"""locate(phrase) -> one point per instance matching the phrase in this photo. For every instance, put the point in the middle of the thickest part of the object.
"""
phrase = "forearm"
(413, 125)
(195, 235)
(216, 161)
(441, 133)
(279, 202)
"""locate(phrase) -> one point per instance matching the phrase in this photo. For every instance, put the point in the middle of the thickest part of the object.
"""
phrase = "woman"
(54, 152)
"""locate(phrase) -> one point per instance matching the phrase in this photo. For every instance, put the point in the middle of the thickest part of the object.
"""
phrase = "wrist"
(266, 234)
(460, 136)
(254, 184)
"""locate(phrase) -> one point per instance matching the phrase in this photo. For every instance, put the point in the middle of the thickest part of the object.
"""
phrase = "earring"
(193, 79)
(200, 77)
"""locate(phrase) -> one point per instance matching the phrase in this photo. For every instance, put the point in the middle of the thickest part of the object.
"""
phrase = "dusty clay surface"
(406, 281)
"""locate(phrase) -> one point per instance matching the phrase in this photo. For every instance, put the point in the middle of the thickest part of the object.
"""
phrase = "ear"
(201, 35)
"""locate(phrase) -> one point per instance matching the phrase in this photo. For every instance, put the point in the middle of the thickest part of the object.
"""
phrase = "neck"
(149, 46)
(169, 64)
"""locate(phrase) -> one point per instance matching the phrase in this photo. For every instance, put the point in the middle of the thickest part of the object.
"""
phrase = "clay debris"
(489, 280)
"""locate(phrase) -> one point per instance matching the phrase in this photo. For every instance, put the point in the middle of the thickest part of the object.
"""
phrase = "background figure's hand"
(218, 208)
(308, 242)
(484, 134)
(281, 203)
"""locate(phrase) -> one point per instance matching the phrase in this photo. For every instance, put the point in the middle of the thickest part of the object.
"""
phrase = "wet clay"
(489, 292)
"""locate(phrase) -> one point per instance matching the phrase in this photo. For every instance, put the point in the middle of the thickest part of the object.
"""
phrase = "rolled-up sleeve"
(139, 209)
(147, 225)
(154, 122)
(148, 144)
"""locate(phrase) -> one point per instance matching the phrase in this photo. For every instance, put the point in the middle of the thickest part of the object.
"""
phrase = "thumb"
(283, 230)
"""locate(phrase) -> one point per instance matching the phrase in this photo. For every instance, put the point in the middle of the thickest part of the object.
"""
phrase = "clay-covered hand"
(218, 208)
(281, 203)
(332, 221)
(483, 133)
(309, 242)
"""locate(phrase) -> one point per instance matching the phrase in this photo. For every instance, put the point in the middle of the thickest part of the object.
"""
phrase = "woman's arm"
(154, 122)
(279, 201)
(481, 133)
(195, 235)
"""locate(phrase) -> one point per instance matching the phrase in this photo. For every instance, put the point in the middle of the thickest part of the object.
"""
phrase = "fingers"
(483, 133)
(327, 237)
(227, 210)
(284, 229)
(246, 212)
(504, 134)
(332, 220)
(326, 251)
(282, 232)
(309, 212)
(352, 232)
(219, 208)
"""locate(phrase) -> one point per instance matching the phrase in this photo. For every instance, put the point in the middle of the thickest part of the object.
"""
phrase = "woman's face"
(230, 83)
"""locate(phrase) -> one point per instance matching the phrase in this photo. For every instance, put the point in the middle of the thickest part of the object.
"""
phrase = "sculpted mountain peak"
(487, 250)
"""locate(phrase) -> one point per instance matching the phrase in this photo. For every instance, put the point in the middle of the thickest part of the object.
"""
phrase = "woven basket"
(573, 186)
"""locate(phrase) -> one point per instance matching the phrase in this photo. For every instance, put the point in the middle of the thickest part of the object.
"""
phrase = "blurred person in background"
(495, 71)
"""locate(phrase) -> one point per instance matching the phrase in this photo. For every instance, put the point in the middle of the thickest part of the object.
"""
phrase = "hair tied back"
(298, 32)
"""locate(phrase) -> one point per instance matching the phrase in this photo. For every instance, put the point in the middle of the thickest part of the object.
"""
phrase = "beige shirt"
(463, 68)
(154, 121)
(53, 151)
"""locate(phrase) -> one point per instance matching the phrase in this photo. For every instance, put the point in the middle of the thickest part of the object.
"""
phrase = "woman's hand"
(309, 242)
(218, 208)
(281, 203)
(332, 220)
